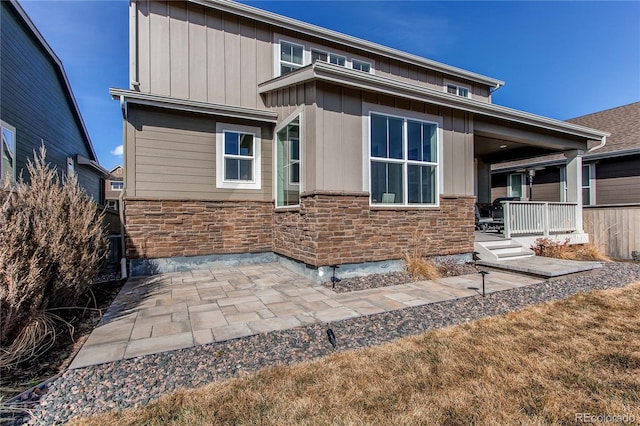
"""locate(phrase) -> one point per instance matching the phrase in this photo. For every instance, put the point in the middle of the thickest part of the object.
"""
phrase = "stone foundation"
(328, 228)
(164, 229)
(337, 228)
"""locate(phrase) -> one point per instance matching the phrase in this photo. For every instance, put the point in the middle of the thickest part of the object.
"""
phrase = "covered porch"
(521, 217)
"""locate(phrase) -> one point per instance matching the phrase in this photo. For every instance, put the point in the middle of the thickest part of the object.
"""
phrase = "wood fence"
(614, 229)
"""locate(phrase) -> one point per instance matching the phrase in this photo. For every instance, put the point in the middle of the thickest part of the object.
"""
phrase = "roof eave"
(343, 39)
(188, 105)
(332, 73)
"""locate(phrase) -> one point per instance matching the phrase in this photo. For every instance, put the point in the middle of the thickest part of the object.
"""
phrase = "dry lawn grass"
(563, 250)
(537, 366)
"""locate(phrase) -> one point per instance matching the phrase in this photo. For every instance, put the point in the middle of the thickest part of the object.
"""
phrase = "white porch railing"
(541, 218)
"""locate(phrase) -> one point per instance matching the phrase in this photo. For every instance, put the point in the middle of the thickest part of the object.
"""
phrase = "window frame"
(308, 48)
(12, 129)
(299, 114)
(221, 181)
(112, 204)
(523, 186)
(458, 87)
(293, 65)
(354, 60)
(116, 181)
(406, 116)
(592, 184)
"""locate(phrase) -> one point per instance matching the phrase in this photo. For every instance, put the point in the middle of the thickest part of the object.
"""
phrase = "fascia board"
(339, 75)
(188, 105)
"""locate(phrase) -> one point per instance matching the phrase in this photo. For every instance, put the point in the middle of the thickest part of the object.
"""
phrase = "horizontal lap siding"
(618, 181)
(175, 158)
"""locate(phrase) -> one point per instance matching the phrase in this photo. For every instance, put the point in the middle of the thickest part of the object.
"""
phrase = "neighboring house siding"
(173, 156)
(618, 181)
(546, 185)
(238, 55)
(34, 100)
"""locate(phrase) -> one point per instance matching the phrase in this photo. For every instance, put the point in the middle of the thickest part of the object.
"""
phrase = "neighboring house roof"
(623, 124)
(322, 71)
(57, 64)
(343, 39)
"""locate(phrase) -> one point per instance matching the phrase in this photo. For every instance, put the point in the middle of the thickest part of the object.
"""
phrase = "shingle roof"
(622, 122)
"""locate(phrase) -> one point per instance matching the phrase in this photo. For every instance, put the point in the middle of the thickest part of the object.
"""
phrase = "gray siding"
(36, 102)
(333, 128)
(172, 155)
(194, 52)
(618, 181)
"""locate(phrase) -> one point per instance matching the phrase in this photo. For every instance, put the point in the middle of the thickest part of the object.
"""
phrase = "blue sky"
(558, 59)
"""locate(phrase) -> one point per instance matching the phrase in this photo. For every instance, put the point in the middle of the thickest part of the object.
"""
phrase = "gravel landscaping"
(138, 381)
(395, 278)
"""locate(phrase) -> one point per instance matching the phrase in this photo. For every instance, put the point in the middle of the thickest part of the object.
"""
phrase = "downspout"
(602, 143)
(123, 246)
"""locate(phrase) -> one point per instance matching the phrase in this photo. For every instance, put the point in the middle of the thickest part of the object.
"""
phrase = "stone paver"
(185, 309)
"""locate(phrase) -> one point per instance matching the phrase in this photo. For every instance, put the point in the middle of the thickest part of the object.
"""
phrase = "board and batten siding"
(190, 51)
(333, 136)
(614, 230)
(35, 101)
(173, 156)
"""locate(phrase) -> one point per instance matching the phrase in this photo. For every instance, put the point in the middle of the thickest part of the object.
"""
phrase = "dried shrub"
(52, 245)
(421, 268)
(563, 250)
(418, 266)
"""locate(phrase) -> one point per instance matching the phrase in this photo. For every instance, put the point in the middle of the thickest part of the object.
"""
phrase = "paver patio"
(180, 310)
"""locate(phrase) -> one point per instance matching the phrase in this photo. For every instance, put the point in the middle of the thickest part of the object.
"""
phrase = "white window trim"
(367, 110)
(278, 62)
(116, 181)
(362, 62)
(257, 158)
(458, 87)
(563, 184)
(12, 129)
(297, 113)
(306, 54)
(523, 186)
(296, 161)
(592, 184)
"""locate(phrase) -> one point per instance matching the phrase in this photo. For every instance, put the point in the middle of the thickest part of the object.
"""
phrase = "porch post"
(483, 182)
(574, 183)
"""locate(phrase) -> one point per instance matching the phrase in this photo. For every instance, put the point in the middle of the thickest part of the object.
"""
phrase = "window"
(403, 161)
(291, 57)
(8, 163)
(516, 186)
(588, 177)
(112, 204)
(288, 164)
(117, 185)
(71, 167)
(237, 156)
(318, 55)
(454, 89)
(361, 66)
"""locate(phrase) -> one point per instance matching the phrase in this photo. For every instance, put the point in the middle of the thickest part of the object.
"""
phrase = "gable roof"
(323, 71)
(62, 76)
(623, 124)
(343, 39)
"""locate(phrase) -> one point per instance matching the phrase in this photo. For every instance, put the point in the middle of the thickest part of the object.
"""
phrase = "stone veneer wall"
(334, 228)
(162, 228)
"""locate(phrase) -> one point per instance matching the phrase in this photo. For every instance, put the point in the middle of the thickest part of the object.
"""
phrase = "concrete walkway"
(180, 310)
